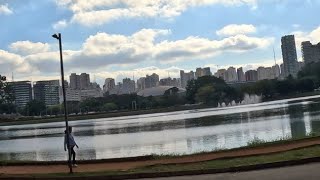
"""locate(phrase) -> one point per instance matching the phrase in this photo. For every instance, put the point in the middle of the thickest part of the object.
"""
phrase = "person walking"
(72, 144)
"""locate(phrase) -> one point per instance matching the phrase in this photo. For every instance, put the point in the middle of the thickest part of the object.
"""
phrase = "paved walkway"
(122, 166)
(302, 172)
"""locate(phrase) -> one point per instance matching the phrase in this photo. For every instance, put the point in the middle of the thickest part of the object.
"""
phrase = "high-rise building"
(84, 81)
(289, 55)
(22, 91)
(251, 76)
(152, 81)
(169, 82)
(241, 76)
(310, 52)
(141, 83)
(128, 86)
(276, 71)
(74, 81)
(47, 92)
(186, 77)
(200, 72)
(109, 84)
(231, 75)
(221, 73)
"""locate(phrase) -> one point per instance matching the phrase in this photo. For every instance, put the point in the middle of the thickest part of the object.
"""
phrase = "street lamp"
(58, 37)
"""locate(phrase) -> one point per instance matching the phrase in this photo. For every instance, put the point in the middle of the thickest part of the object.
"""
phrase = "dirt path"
(122, 166)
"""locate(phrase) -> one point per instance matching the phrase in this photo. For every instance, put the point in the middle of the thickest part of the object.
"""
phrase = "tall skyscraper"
(22, 91)
(128, 86)
(152, 81)
(251, 75)
(221, 73)
(169, 82)
(310, 52)
(47, 92)
(84, 81)
(241, 76)
(74, 81)
(109, 84)
(200, 72)
(289, 55)
(231, 75)
(186, 77)
(141, 83)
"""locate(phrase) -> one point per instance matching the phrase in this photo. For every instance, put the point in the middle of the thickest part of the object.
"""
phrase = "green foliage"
(109, 107)
(6, 97)
(35, 108)
(212, 91)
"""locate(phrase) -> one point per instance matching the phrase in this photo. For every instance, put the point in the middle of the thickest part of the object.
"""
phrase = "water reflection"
(166, 133)
(297, 122)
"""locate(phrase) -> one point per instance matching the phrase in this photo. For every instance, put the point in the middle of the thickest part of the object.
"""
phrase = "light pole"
(58, 37)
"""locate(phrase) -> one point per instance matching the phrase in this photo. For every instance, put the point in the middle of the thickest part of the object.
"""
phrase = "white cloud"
(105, 49)
(28, 47)
(60, 24)
(313, 36)
(12, 62)
(235, 29)
(92, 12)
(102, 50)
(4, 9)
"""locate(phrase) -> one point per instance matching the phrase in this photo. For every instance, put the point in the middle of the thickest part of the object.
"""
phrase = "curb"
(178, 173)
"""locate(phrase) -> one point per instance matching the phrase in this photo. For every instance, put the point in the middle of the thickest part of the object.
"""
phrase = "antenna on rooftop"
(12, 79)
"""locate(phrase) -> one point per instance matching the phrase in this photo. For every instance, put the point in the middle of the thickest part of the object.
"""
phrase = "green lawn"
(303, 153)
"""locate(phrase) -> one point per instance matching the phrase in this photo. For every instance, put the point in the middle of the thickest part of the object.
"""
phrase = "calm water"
(164, 133)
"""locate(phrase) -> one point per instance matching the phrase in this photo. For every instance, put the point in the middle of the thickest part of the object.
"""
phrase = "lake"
(181, 132)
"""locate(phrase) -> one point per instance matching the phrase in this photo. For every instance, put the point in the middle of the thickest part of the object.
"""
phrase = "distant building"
(152, 81)
(22, 91)
(251, 75)
(169, 82)
(128, 86)
(84, 81)
(200, 72)
(47, 92)
(310, 52)
(186, 77)
(72, 95)
(241, 76)
(276, 71)
(109, 84)
(289, 55)
(90, 93)
(231, 75)
(141, 83)
(74, 81)
(159, 91)
(221, 73)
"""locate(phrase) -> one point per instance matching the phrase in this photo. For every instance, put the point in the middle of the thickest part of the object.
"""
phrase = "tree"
(194, 85)
(6, 91)
(35, 108)
(204, 94)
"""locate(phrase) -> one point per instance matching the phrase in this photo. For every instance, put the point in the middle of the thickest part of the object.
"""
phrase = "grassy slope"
(303, 153)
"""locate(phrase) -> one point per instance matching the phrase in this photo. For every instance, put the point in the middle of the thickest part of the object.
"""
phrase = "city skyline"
(164, 41)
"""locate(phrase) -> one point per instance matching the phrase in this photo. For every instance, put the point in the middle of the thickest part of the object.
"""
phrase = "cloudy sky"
(126, 38)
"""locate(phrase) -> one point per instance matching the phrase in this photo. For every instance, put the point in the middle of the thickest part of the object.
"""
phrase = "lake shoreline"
(27, 120)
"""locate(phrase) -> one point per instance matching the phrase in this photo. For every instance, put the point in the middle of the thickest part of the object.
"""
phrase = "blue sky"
(122, 38)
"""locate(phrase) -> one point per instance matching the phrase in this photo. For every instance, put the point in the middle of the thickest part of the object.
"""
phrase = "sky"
(132, 38)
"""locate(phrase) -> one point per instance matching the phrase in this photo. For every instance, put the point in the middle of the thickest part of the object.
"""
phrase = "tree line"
(208, 90)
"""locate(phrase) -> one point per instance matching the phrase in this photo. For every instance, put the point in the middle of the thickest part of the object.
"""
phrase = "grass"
(256, 142)
(299, 154)
(235, 162)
